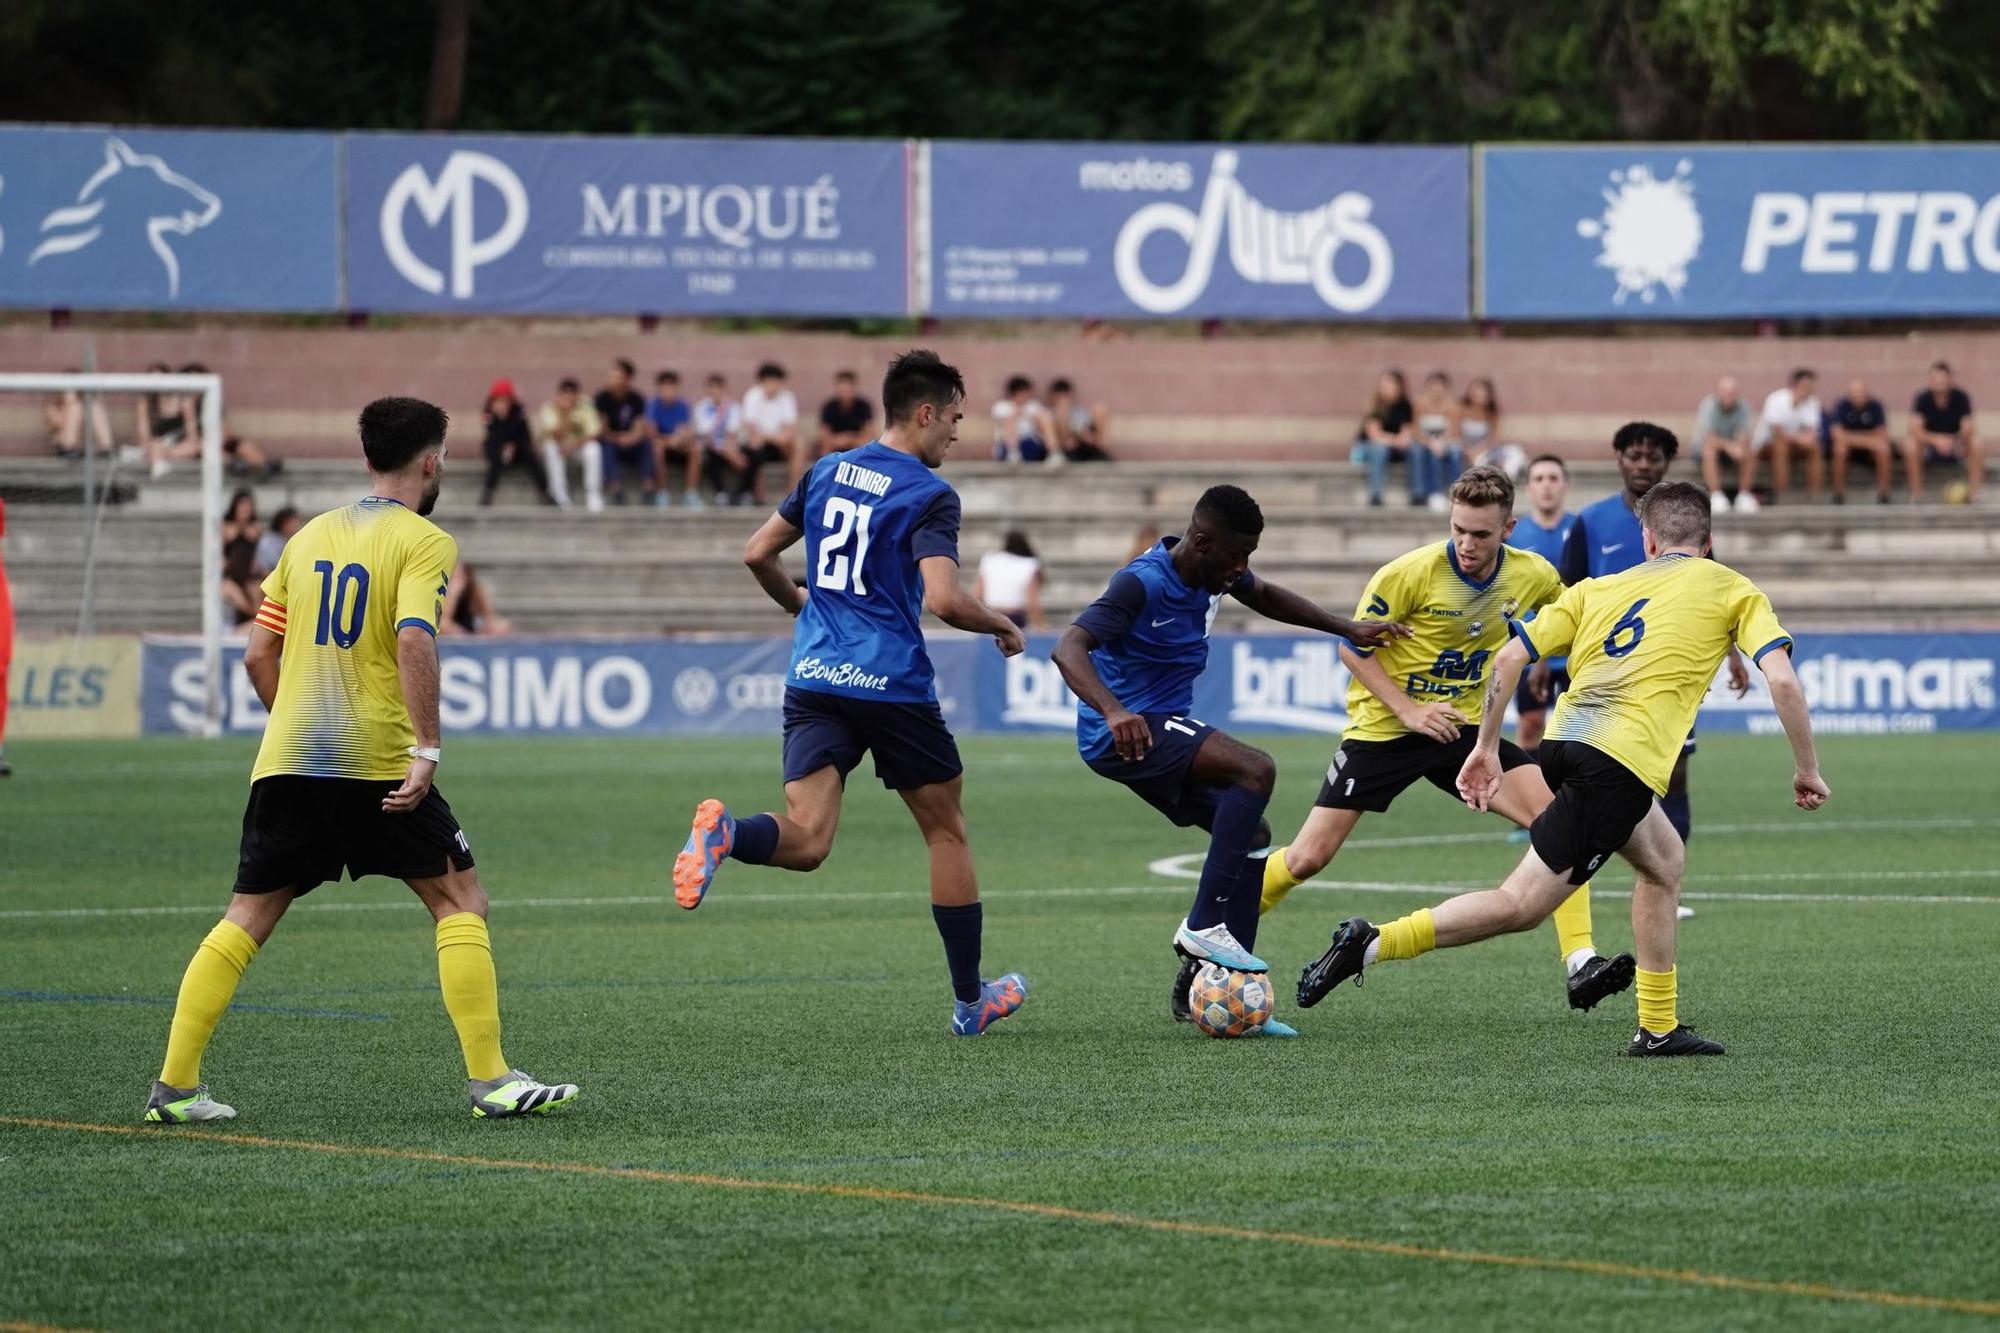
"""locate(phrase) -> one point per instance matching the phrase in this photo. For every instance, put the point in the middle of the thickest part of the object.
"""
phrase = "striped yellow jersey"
(348, 582)
(1457, 627)
(1643, 648)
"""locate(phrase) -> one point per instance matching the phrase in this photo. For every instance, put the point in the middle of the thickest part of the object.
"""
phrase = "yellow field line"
(1056, 1212)
(12, 1326)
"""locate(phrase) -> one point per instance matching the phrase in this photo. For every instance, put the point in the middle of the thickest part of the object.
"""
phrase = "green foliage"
(1297, 70)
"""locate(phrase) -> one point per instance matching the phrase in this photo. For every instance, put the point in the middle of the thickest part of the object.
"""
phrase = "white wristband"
(434, 753)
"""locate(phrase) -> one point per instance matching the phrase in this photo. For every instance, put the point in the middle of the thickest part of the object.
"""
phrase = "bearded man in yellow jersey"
(1643, 646)
(1414, 701)
(343, 653)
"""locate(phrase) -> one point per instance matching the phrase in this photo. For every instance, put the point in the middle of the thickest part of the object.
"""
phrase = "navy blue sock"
(959, 928)
(756, 839)
(1678, 814)
(1238, 812)
(1246, 903)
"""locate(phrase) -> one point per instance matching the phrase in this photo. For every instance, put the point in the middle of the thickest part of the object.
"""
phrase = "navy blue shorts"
(1525, 700)
(1161, 778)
(912, 746)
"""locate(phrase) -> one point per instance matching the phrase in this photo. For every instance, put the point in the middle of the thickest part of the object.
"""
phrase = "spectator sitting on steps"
(1386, 435)
(468, 606)
(272, 544)
(844, 418)
(622, 414)
(64, 414)
(1082, 430)
(569, 428)
(508, 443)
(1021, 426)
(1010, 581)
(1722, 435)
(1941, 427)
(241, 573)
(1859, 425)
(1788, 428)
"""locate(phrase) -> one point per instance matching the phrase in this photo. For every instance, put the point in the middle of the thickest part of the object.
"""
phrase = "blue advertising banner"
(1198, 230)
(573, 687)
(102, 219)
(630, 225)
(1872, 683)
(1668, 232)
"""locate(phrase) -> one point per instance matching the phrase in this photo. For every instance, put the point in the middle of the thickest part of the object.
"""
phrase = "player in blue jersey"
(1544, 529)
(1607, 540)
(881, 534)
(1132, 658)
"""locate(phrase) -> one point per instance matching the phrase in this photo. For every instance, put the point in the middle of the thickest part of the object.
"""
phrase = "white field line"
(1114, 891)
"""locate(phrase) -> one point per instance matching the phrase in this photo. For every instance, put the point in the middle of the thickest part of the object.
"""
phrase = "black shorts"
(1598, 804)
(300, 832)
(1525, 700)
(1368, 775)
(912, 746)
(1160, 779)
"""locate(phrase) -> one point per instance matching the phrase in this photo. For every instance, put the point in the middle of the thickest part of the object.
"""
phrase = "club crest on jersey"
(1475, 629)
(1509, 607)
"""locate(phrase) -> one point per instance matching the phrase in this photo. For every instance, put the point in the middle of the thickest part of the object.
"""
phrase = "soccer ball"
(1229, 1004)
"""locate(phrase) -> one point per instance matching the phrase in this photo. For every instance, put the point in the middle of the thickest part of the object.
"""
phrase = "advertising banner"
(1863, 683)
(136, 219)
(569, 687)
(1658, 231)
(73, 687)
(1198, 231)
(628, 225)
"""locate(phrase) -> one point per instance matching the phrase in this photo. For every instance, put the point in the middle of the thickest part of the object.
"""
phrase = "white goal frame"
(209, 386)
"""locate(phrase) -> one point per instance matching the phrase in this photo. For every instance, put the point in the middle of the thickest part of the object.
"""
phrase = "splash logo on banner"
(1650, 230)
(131, 192)
(453, 192)
(1265, 245)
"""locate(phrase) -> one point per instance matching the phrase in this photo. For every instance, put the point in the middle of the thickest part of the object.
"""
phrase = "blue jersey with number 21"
(869, 516)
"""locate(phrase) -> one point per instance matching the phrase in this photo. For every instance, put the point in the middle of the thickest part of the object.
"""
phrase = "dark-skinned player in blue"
(1133, 656)
(881, 534)
(1606, 539)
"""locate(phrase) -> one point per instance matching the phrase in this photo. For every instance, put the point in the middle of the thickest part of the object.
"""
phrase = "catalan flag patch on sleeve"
(272, 617)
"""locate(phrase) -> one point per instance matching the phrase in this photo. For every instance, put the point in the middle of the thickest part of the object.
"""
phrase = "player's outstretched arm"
(417, 668)
(959, 609)
(1479, 776)
(1439, 721)
(1281, 604)
(761, 555)
(1809, 790)
(260, 663)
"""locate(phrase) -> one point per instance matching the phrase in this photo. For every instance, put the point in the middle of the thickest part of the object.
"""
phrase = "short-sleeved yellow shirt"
(1643, 647)
(348, 582)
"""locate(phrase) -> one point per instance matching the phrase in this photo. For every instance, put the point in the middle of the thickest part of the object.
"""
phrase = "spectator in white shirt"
(771, 425)
(718, 428)
(1010, 581)
(1022, 427)
(1788, 427)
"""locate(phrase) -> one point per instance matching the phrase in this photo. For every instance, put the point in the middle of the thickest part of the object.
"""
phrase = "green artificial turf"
(793, 1030)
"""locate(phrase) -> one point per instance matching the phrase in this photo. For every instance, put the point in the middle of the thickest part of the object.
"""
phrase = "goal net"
(67, 560)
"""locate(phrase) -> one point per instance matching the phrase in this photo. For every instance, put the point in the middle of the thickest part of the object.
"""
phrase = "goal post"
(209, 386)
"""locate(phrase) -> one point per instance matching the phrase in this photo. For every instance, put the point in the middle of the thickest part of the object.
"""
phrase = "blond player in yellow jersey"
(1643, 646)
(344, 655)
(1415, 703)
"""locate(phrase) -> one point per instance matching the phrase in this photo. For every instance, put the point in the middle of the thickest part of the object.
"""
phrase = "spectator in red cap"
(509, 443)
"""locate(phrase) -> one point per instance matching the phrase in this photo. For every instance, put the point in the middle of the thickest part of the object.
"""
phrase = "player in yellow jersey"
(1414, 704)
(344, 655)
(1643, 646)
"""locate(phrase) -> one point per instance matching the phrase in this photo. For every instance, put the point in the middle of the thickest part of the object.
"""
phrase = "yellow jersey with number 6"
(1456, 626)
(1643, 648)
(347, 583)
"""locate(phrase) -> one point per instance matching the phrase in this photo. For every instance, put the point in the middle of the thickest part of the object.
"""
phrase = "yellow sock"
(1573, 923)
(1278, 880)
(1656, 1002)
(471, 991)
(206, 989)
(1408, 936)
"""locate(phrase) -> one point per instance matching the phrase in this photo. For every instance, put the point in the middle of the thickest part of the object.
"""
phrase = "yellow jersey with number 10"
(348, 582)
(1643, 648)
(1457, 626)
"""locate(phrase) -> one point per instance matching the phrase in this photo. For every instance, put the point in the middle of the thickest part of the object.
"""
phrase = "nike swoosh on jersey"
(1168, 621)
(1607, 550)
